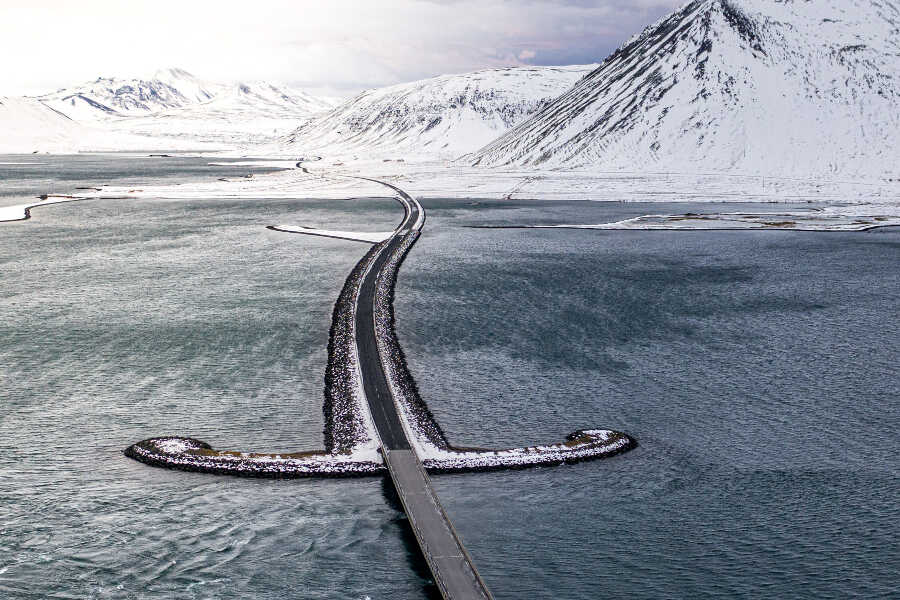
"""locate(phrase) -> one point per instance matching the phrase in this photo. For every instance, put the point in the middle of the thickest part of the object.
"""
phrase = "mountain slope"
(791, 88)
(175, 105)
(107, 98)
(29, 126)
(441, 116)
(245, 113)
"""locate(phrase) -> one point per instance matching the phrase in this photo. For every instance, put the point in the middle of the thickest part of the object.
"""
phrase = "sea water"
(756, 369)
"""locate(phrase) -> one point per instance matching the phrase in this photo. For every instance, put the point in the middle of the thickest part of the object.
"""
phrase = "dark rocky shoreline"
(344, 428)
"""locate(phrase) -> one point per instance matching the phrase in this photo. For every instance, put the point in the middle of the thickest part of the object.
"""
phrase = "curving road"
(454, 572)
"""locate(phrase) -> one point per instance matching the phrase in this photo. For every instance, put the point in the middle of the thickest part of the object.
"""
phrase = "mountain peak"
(792, 88)
(173, 73)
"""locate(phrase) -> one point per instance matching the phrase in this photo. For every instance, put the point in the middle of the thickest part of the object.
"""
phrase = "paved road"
(454, 573)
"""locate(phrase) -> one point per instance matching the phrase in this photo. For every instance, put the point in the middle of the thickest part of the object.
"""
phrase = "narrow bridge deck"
(454, 573)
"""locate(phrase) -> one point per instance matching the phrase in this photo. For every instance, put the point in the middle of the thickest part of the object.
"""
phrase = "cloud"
(340, 45)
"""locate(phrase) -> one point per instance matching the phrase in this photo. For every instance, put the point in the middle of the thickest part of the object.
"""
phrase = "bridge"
(451, 566)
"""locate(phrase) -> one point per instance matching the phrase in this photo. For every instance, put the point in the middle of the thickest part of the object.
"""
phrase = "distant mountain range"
(177, 105)
(170, 110)
(442, 116)
(242, 114)
(107, 98)
(787, 88)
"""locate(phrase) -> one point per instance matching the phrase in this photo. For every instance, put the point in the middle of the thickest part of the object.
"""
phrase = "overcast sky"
(332, 46)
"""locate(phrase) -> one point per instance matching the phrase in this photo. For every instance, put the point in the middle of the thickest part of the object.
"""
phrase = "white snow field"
(877, 202)
(791, 89)
(28, 126)
(826, 219)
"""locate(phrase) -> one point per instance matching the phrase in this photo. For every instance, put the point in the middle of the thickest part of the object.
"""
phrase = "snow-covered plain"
(845, 201)
(28, 126)
(826, 219)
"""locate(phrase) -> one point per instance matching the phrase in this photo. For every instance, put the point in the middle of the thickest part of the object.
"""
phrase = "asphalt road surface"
(452, 567)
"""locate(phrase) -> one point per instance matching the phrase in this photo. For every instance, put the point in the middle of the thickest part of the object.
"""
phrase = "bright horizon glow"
(337, 48)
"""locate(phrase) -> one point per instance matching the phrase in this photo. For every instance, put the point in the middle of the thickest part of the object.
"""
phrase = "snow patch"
(356, 236)
(19, 212)
(855, 218)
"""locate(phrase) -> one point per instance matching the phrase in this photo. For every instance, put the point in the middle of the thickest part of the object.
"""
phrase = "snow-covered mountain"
(241, 114)
(261, 95)
(442, 116)
(107, 98)
(173, 104)
(28, 125)
(795, 88)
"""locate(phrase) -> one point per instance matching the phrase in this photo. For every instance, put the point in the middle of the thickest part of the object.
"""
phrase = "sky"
(334, 47)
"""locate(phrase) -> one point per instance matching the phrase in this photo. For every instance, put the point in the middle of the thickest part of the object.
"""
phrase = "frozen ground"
(840, 204)
(821, 219)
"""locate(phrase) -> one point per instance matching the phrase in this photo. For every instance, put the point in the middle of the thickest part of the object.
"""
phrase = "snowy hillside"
(442, 116)
(755, 86)
(242, 114)
(28, 125)
(110, 97)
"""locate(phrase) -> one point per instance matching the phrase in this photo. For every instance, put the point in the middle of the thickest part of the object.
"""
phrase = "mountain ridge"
(441, 116)
(173, 104)
(110, 97)
(741, 85)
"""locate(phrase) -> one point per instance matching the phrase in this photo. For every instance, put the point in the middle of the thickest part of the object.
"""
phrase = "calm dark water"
(757, 370)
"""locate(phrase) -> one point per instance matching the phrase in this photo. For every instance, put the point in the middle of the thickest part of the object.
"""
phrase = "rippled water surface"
(32, 174)
(756, 369)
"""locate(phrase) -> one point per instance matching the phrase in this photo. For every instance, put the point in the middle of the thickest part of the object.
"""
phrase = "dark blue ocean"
(757, 370)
